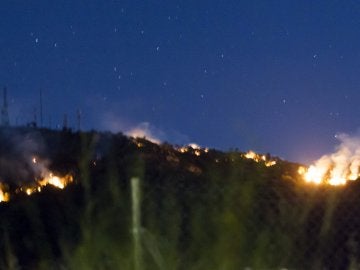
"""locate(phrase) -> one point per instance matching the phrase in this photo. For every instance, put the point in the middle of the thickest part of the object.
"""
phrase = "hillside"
(200, 208)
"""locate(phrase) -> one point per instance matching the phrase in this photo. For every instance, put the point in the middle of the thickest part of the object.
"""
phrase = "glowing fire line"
(4, 196)
(46, 178)
(339, 167)
(260, 158)
(51, 179)
(316, 174)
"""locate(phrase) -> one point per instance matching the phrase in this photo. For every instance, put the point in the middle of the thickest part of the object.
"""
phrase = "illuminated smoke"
(194, 146)
(24, 169)
(145, 130)
(115, 123)
(16, 163)
(339, 167)
(39, 167)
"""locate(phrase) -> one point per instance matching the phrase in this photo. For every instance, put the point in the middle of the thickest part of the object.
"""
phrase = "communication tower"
(5, 122)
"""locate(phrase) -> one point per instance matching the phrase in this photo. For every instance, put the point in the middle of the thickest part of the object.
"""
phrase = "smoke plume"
(19, 157)
(145, 130)
(340, 166)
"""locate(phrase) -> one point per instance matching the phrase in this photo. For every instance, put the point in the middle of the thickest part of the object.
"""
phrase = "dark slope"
(215, 210)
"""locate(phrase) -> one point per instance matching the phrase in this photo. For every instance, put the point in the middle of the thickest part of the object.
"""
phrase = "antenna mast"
(78, 114)
(35, 117)
(41, 109)
(65, 122)
(4, 111)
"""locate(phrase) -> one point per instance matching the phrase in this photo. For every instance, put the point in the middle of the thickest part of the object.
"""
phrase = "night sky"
(273, 76)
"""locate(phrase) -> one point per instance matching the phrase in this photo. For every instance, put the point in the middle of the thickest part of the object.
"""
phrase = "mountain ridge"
(200, 208)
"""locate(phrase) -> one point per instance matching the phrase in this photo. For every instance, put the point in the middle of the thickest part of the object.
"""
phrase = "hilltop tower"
(5, 122)
(41, 108)
(78, 116)
(65, 122)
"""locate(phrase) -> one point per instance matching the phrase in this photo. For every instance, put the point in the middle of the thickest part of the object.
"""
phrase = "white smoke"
(347, 157)
(21, 162)
(115, 123)
(147, 131)
(39, 166)
(29, 147)
(340, 166)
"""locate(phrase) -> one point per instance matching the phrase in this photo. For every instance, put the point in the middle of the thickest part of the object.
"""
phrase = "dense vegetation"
(215, 210)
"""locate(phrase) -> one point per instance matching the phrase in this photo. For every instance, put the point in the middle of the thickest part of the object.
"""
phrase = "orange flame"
(339, 167)
(194, 148)
(4, 196)
(260, 158)
(56, 181)
(326, 174)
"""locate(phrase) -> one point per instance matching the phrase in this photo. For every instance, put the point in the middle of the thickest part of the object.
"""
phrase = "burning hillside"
(34, 173)
(27, 164)
(268, 161)
(43, 178)
(338, 168)
(184, 189)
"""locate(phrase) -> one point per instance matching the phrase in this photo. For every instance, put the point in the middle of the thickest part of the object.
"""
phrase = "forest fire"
(194, 148)
(338, 168)
(260, 158)
(4, 196)
(331, 174)
(56, 181)
(43, 177)
(38, 185)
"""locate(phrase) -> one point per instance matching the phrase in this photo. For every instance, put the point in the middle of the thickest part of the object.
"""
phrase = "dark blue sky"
(273, 76)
